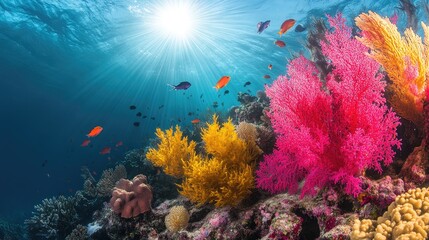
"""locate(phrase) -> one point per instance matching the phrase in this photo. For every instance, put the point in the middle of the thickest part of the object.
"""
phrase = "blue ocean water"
(68, 66)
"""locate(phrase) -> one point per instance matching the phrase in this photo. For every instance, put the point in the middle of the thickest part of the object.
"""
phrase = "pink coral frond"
(329, 135)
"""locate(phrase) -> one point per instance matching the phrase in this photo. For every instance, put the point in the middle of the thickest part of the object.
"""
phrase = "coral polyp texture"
(131, 198)
(404, 58)
(54, 218)
(406, 218)
(329, 133)
(177, 219)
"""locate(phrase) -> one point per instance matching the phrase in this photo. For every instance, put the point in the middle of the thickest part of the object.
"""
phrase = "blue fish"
(181, 86)
(299, 28)
(263, 25)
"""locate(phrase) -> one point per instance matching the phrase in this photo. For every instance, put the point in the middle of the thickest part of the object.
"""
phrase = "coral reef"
(252, 109)
(282, 216)
(54, 218)
(131, 198)
(109, 178)
(105, 184)
(377, 195)
(79, 233)
(136, 163)
(414, 169)
(11, 231)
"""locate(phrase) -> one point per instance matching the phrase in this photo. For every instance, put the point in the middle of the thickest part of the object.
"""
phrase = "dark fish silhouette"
(44, 163)
(181, 86)
(190, 113)
(201, 96)
(153, 118)
(160, 106)
(144, 116)
(139, 114)
(132, 107)
(226, 92)
(247, 84)
(136, 124)
(300, 28)
(215, 105)
(262, 26)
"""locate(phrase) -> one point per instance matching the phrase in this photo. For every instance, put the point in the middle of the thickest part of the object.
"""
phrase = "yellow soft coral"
(226, 176)
(224, 143)
(405, 59)
(172, 151)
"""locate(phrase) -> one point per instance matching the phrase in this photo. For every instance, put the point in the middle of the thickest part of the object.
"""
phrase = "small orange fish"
(286, 26)
(105, 150)
(270, 66)
(195, 121)
(85, 143)
(267, 76)
(119, 144)
(280, 43)
(95, 131)
(222, 82)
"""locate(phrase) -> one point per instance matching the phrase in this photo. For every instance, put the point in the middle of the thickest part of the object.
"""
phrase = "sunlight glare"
(176, 20)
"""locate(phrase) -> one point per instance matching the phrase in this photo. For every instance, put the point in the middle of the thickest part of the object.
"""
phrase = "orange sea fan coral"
(404, 58)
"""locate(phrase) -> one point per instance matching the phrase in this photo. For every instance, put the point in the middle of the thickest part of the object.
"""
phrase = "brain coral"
(406, 218)
(177, 219)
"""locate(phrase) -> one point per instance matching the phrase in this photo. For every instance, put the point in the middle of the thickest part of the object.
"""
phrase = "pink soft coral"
(329, 134)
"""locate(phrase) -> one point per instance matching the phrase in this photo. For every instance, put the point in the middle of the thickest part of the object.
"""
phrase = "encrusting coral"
(405, 59)
(406, 218)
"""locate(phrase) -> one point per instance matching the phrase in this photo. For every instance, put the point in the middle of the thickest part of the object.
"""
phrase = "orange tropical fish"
(286, 26)
(280, 43)
(222, 82)
(95, 131)
(270, 66)
(195, 121)
(105, 150)
(85, 143)
(120, 143)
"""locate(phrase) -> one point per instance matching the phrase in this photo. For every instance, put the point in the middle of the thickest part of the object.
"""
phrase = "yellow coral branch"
(405, 59)
(172, 151)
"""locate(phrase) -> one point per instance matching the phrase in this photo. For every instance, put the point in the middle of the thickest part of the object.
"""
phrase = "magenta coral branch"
(332, 135)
